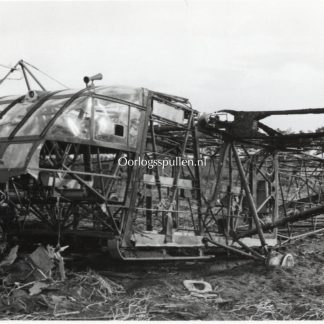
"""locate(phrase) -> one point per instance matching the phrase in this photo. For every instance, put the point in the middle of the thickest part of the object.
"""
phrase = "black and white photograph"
(162, 160)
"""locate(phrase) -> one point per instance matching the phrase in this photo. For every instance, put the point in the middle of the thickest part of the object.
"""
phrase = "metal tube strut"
(249, 197)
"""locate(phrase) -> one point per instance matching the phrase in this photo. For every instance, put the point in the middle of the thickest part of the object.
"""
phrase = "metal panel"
(168, 112)
(167, 181)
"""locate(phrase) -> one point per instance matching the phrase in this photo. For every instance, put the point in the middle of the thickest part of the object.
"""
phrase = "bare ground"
(242, 290)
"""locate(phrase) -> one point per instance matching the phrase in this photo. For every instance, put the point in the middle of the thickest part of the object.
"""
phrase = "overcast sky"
(247, 55)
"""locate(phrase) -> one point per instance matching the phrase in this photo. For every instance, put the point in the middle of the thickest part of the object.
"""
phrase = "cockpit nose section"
(108, 117)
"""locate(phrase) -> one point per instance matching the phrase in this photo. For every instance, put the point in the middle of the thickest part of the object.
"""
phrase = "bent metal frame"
(59, 173)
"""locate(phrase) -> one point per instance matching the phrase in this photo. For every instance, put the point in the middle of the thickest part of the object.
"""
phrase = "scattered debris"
(193, 286)
(276, 259)
(11, 257)
(287, 261)
(36, 266)
(43, 260)
(37, 288)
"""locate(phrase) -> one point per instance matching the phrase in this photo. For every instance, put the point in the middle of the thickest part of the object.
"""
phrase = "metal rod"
(283, 221)
(219, 171)
(249, 197)
(305, 234)
(32, 75)
(197, 175)
(227, 247)
(157, 175)
(100, 171)
(283, 203)
(25, 77)
(114, 170)
(74, 172)
(11, 70)
(249, 249)
(177, 172)
(274, 188)
(230, 196)
(264, 203)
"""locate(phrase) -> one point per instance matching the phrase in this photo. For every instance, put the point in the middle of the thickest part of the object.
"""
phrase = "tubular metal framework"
(151, 178)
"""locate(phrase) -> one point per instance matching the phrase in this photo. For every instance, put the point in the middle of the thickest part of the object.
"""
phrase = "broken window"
(111, 121)
(119, 130)
(74, 121)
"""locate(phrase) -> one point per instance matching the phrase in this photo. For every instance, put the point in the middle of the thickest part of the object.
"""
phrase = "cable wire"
(47, 75)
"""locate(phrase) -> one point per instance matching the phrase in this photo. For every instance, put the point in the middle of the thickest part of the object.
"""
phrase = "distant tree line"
(290, 131)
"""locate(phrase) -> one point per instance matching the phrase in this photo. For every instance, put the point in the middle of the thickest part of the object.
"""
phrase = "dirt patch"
(242, 290)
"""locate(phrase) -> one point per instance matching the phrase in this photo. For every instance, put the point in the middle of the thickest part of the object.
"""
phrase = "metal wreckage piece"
(61, 172)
